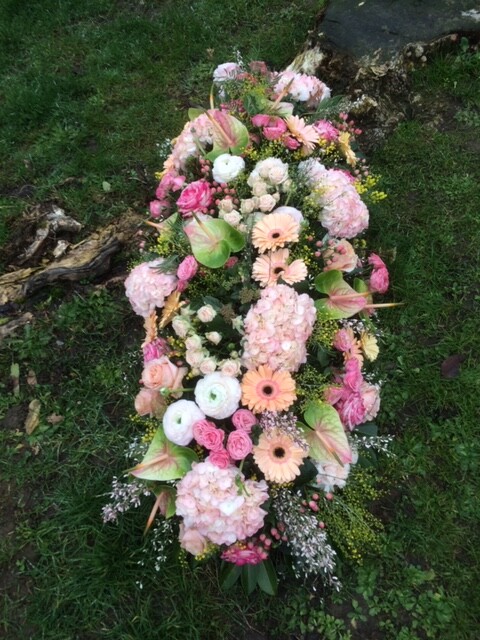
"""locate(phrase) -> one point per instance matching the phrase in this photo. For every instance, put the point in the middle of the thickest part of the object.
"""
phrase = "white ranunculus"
(227, 167)
(226, 71)
(294, 213)
(218, 395)
(179, 419)
(206, 313)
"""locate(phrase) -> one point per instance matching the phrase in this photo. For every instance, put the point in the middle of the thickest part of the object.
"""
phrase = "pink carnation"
(196, 197)
(155, 349)
(147, 288)
(240, 554)
(209, 502)
(355, 399)
(239, 444)
(379, 279)
(277, 328)
(326, 130)
(244, 419)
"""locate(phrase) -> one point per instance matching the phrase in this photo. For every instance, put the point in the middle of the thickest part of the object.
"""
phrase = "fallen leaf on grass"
(32, 378)
(55, 419)
(450, 367)
(33, 416)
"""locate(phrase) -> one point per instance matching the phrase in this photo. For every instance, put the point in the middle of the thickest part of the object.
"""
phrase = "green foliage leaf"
(367, 429)
(342, 301)
(326, 438)
(229, 134)
(164, 460)
(267, 578)
(195, 112)
(212, 240)
(169, 497)
(249, 577)
(229, 574)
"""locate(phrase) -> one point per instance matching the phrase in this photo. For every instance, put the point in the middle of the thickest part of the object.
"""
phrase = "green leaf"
(164, 460)
(249, 577)
(342, 301)
(229, 575)
(267, 578)
(367, 429)
(326, 438)
(229, 134)
(212, 240)
(195, 112)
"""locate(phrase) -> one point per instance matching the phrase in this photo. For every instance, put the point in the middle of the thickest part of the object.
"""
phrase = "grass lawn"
(88, 90)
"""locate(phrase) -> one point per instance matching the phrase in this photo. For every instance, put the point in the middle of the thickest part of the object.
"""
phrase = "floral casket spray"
(258, 296)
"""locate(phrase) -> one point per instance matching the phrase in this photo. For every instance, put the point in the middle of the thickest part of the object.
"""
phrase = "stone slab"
(361, 28)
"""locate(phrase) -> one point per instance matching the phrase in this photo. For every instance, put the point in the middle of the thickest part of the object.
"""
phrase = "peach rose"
(149, 402)
(161, 372)
(192, 541)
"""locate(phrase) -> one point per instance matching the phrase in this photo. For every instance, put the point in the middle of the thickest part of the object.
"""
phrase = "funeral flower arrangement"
(258, 297)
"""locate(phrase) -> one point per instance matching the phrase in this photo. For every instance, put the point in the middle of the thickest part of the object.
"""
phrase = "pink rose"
(161, 372)
(273, 126)
(155, 349)
(239, 444)
(149, 402)
(196, 196)
(156, 208)
(371, 399)
(192, 541)
(187, 268)
(220, 459)
(207, 435)
(379, 280)
(244, 420)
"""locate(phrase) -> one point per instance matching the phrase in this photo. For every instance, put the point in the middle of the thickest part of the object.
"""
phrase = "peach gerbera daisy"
(266, 390)
(274, 230)
(303, 132)
(268, 269)
(278, 457)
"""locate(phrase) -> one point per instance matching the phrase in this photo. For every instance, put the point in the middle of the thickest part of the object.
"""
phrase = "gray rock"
(361, 28)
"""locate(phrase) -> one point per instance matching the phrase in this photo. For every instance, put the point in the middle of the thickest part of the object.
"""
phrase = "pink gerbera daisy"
(270, 268)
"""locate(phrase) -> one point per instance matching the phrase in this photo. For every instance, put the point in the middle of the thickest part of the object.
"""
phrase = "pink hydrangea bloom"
(185, 147)
(342, 211)
(277, 328)
(302, 87)
(241, 554)
(209, 502)
(147, 289)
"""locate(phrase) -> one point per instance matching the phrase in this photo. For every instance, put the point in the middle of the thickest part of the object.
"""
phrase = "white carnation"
(218, 395)
(226, 167)
(179, 419)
